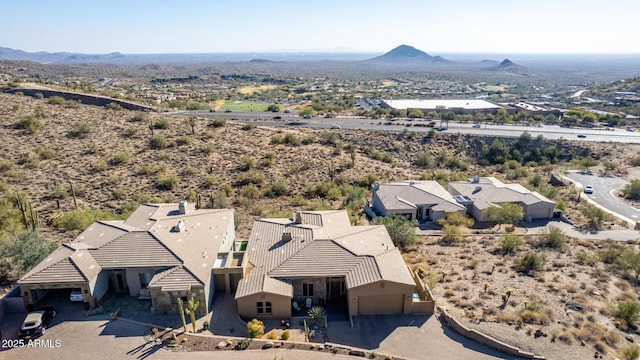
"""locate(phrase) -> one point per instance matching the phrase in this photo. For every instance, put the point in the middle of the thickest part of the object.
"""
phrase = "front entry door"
(120, 284)
(335, 291)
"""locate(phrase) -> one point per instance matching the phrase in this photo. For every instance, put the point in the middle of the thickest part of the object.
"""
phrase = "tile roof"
(280, 250)
(176, 278)
(407, 195)
(489, 190)
(146, 239)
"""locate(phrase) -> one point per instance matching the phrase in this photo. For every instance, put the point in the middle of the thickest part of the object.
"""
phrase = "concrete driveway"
(604, 188)
(410, 336)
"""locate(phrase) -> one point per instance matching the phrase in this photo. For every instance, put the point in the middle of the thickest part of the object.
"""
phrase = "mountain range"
(407, 55)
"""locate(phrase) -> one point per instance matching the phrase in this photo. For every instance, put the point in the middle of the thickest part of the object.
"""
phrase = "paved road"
(604, 193)
(548, 132)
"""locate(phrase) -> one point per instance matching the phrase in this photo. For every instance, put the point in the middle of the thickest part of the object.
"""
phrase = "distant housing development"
(463, 106)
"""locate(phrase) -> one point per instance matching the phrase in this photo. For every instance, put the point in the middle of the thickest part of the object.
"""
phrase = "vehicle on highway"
(431, 124)
(277, 118)
(477, 126)
(441, 129)
(307, 116)
(588, 189)
(287, 111)
(227, 110)
(36, 322)
(76, 295)
(630, 129)
(275, 110)
(582, 136)
(335, 126)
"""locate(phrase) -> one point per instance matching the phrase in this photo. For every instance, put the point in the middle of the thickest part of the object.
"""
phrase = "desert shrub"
(121, 157)
(309, 139)
(251, 177)
(269, 159)
(533, 317)
(367, 180)
(139, 116)
(425, 159)
(629, 311)
(247, 162)
(40, 112)
(247, 127)
(162, 124)
(24, 251)
(167, 182)
(31, 159)
(80, 131)
(299, 200)
(291, 139)
(250, 191)
(610, 252)
(216, 123)
(451, 235)
(455, 219)
(630, 352)
(278, 188)
(114, 106)
(243, 344)
(100, 165)
(220, 200)
(59, 192)
(530, 262)
(401, 230)
(277, 139)
(271, 335)
(56, 100)
(183, 140)
(158, 142)
(6, 164)
(210, 181)
(509, 243)
(552, 237)
(284, 335)
(30, 123)
(255, 328)
(80, 219)
(44, 153)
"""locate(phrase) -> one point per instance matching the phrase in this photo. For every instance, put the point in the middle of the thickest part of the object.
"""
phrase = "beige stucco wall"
(539, 210)
(280, 306)
(380, 288)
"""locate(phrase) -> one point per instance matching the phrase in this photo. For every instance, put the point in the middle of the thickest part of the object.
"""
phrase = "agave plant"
(317, 314)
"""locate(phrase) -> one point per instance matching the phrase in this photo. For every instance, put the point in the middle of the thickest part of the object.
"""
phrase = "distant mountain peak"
(407, 55)
(506, 62)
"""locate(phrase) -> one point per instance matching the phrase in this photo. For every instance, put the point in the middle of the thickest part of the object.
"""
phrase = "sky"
(223, 26)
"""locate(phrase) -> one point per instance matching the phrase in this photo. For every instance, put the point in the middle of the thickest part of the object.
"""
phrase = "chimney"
(179, 227)
(297, 217)
(286, 235)
(183, 207)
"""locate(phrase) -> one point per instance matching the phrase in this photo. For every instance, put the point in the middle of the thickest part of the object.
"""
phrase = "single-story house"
(479, 193)
(418, 200)
(162, 252)
(319, 258)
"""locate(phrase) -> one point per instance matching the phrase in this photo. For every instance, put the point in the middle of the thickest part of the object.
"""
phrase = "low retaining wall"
(485, 339)
(83, 98)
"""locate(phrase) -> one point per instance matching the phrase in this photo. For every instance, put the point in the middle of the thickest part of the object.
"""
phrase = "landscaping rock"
(268, 345)
(629, 337)
(221, 344)
(356, 353)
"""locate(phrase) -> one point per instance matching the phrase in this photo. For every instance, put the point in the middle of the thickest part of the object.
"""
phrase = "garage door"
(380, 304)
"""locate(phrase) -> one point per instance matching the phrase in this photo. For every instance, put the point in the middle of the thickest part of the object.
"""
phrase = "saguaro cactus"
(191, 308)
(181, 309)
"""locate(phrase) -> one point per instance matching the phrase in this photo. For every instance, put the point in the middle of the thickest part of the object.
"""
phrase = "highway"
(548, 131)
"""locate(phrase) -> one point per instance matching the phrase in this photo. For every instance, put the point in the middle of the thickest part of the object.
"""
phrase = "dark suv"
(36, 322)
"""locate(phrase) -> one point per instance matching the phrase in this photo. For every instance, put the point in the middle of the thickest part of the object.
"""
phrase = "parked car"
(335, 126)
(286, 111)
(76, 295)
(582, 136)
(227, 110)
(277, 118)
(588, 189)
(36, 322)
(307, 116)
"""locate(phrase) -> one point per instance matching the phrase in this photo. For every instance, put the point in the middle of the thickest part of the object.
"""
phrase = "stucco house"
(418, 200)
(479, 193)
(162, 252)
(318, 257)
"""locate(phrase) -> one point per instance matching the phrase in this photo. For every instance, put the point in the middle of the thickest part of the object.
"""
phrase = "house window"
(145, 279)
(307, 289)
(264, 307)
